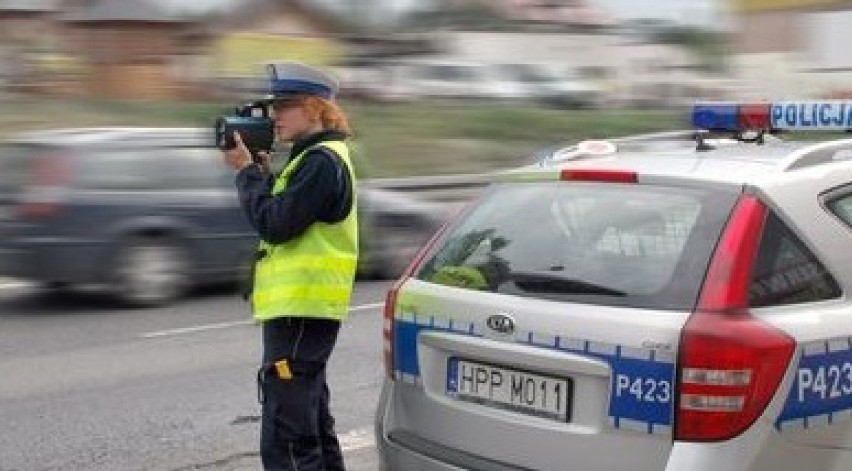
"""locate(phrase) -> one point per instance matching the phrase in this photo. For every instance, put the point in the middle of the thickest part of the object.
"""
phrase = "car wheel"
(150, 271)
(56, 289)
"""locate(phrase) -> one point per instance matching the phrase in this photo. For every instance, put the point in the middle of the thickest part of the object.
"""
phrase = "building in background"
(576, 12)
(129, 48)
(791, 48)
(575, 39)
(25, 21)
(28, 36)
(140, 49)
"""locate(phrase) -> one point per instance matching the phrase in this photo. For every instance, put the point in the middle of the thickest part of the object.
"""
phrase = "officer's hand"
(239, 157)
(265, 164)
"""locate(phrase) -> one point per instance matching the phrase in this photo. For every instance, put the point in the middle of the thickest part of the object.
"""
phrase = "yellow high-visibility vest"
(310, 275)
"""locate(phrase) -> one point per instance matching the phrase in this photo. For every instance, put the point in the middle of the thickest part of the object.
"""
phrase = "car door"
(197, 190)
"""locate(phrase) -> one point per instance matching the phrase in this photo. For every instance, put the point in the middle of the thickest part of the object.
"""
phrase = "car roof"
(676, 155)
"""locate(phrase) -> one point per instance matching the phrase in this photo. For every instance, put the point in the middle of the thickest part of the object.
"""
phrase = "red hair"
(325, 111)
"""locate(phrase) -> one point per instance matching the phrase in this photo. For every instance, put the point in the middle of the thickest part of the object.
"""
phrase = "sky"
(693, 12)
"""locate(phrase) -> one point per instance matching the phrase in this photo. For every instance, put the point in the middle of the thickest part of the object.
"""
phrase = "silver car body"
(621, 362)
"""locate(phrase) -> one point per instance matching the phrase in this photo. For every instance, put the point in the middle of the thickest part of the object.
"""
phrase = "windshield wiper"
(550, 282)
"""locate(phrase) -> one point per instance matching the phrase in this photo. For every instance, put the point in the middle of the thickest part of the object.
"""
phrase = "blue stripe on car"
(821, 392)
(642, 380)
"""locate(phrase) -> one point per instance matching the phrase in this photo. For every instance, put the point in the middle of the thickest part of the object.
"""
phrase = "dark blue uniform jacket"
(319, 190)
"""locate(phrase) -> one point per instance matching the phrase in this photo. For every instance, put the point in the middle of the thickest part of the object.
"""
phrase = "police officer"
(306, 218)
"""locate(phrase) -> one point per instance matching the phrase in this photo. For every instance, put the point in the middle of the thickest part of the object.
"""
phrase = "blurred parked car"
(449, 79)
(151, 212)
(563, 90)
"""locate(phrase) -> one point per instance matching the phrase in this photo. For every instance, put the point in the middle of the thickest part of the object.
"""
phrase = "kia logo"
(501, 323)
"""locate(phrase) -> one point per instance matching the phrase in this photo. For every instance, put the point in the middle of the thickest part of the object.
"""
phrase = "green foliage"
(710, 46)
(434, 138)
(460, 277)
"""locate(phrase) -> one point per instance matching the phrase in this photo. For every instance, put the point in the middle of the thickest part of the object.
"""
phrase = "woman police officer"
(306, 217)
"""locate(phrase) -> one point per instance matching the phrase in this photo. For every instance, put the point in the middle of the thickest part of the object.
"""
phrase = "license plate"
(511, 389)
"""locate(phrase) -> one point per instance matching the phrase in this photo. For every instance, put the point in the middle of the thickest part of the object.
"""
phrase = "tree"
(709, 46)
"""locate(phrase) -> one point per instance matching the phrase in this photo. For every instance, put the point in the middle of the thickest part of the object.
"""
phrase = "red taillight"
(391, 298)
(39, 202)
(44, 191)
(727, 282)
(730, 363)
(588, 175)
(730, 367)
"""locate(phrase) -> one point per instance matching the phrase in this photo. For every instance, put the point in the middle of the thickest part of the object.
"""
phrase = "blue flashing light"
(715, 117)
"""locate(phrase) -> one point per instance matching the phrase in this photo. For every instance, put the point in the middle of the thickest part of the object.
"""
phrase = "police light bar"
(814, 115)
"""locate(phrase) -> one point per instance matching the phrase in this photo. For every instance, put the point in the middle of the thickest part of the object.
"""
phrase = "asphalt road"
(86, 385)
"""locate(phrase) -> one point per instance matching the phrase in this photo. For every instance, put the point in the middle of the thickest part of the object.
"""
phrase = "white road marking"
(225, 325)
(357, 439)
(198, 328)
(365, 307)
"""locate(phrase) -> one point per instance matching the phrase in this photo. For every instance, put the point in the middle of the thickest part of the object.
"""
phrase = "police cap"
(289, 79)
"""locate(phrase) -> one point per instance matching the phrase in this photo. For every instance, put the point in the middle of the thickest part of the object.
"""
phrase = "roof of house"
(125, 11)
(254, 11)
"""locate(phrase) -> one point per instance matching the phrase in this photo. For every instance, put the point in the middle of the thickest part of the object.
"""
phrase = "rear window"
(622, 245)
(787, 272)
(842, 207)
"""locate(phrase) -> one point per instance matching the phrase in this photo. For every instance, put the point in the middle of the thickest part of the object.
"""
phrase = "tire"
(150, 271)
(56, 289)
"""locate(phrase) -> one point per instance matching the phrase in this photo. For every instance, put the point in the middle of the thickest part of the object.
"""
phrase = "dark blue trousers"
(297, 428)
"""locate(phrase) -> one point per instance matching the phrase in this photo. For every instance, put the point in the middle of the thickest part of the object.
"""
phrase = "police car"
(674, 302)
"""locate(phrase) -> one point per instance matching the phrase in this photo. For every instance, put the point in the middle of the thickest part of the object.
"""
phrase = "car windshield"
(636, 245)
(17, 162)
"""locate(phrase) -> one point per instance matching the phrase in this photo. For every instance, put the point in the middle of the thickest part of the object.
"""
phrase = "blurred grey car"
(668, 302)
(150, 213)
(545, 86)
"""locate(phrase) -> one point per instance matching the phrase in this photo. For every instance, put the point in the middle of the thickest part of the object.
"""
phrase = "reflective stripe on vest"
(311, 275)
